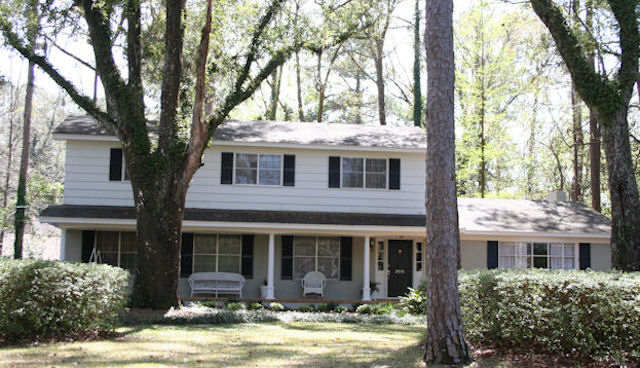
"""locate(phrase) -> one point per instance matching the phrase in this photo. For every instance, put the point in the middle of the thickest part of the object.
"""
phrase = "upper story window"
(557, 256)
(117, 168)
(358, 172)
(257, 169)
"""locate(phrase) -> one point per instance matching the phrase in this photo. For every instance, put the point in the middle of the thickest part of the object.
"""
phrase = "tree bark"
(578, 143)
(379, 64)
(7, 177)
(594, 127)
(299, 88)
(417, 92)
(445, 339)
(21, 200)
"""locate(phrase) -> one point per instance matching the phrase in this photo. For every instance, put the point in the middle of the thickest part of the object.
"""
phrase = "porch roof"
(477, 216)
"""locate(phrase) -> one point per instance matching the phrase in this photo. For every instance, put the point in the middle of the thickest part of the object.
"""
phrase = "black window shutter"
(346, 251)
(88, 237)
(115, 164)
(394, 173)
(585, 256)
(247, 256)
(334, 172)
(492, 254)
(289, 171)
(286, 273)
(186, 255)
(226, 173)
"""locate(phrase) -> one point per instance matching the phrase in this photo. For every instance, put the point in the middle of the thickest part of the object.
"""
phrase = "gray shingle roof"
(280, 132)
(481, 215)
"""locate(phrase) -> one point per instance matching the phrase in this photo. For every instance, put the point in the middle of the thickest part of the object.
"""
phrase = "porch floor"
(297, 301)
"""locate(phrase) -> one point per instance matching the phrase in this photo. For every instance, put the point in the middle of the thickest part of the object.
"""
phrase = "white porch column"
(63, 244)
(366, 290)
(271, 267)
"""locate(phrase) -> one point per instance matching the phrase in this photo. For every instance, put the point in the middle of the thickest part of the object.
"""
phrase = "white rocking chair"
(313, 283)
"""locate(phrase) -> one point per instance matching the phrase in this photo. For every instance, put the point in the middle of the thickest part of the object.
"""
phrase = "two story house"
(275, 200)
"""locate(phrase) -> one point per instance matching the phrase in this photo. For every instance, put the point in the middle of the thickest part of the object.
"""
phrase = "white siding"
(87, 183)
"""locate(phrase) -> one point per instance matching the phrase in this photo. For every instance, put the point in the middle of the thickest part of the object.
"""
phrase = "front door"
(399, 267)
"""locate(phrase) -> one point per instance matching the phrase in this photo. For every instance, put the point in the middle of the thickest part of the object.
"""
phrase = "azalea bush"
(51, 300)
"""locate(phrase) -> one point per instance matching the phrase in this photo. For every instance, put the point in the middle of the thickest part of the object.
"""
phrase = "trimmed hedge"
(575, 313)
(47, 300)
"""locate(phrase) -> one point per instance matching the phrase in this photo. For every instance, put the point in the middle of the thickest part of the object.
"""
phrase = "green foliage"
(43, 300)
(209, 304)
(322, 307)
(305, 308)
(415, 302)
(235, 306)
(256, 306)
(277, 307)
(341, 309)
(364, 309)
(382, 308)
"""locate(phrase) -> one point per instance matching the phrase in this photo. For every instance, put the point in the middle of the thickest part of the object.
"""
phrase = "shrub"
(275, 306)
(364, 309)
(382, 308)
(234, 306)
(44, 300)
(576, 313)
(341, 309)
(324, 307)
(256, 306)
(305, 308)
(415, 302)
(209, 304)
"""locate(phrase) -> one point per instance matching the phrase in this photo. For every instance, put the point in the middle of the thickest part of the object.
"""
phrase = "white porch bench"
(216, 283)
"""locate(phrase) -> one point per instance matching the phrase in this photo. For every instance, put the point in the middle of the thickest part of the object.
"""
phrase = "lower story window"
(217, 253)
(320, 254)
(116, 248)
(557, 256)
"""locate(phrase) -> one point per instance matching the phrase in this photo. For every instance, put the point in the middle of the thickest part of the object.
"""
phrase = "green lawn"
(238, 345)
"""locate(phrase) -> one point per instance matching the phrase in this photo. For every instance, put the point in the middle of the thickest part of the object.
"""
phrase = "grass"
(238, 345)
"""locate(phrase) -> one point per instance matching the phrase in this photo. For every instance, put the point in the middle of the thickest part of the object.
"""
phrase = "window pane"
(110, 258)
(569, 250)
(128, 261)
(270, 162)
(540, 262)
(304, 246)
(507, 249)
(555, 249)
(202, 263)
(205, 244)
(302, 265)
(229, 263)
(556, 263)
(352, 172)
(540, 249)
(230, 244)
(128, 242)
(329, 267)
(569, 264)
(246, 161)
(328, 247)
(246, 176)
(376, 173)
(269, 177)
(107, 241)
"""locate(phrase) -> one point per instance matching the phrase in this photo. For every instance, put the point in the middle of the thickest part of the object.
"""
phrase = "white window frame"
(216, 254)
(257, 184)
(315, 256)
(364, 173)
(531, 256)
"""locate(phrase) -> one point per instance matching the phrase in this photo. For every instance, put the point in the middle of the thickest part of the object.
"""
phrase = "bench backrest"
(216, 276)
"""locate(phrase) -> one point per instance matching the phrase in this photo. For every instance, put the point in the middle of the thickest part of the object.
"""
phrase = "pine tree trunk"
(7, 177)
(299, 88)
(21, 200)
(578, 143)
(417, 92)
(378, 61)
(358, 91)
(594, 128)
(445, 340)
(623, 190)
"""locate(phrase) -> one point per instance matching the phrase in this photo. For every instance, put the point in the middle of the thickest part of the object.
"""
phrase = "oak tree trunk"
(445, 339)
(21, 200)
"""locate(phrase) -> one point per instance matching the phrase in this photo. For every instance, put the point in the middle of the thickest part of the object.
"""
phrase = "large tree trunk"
(21, 200)
(623, 190)
(445, 340)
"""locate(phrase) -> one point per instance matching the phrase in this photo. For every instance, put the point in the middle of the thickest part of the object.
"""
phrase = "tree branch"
(134, 51)
(85, 102)
(625, 13)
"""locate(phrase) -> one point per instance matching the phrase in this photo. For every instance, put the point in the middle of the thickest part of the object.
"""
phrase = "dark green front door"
(399, 271)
